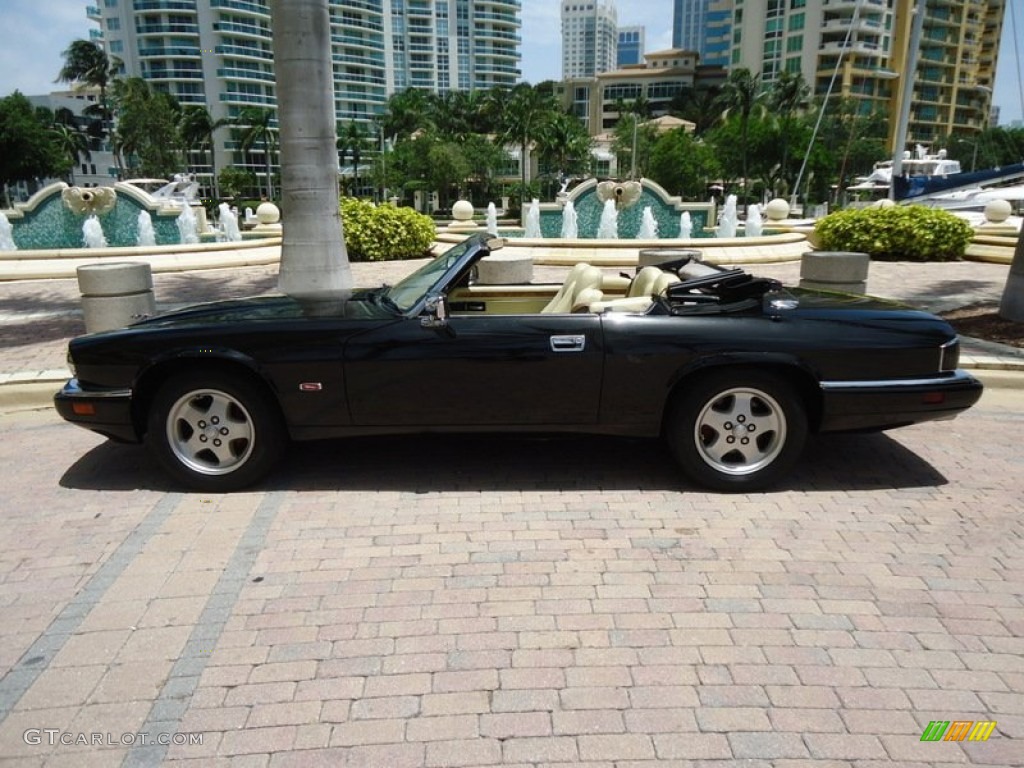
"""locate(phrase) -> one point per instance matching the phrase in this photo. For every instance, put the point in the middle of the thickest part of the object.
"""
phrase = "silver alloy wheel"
(740, 431)
(210, 432)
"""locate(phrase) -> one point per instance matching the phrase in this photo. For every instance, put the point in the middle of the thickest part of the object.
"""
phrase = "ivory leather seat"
(648, 285)
(581, 278)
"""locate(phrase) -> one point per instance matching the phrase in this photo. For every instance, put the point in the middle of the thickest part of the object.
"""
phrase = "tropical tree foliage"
(742, 97)
(197, 127)
(28, 147)
(147, 128)
(258, 128)
(683, 164)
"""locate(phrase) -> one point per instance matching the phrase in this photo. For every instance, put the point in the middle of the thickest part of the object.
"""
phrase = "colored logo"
(958, 730)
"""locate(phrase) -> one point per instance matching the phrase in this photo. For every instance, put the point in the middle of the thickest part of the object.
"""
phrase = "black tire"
(736, 430)
(216, 432)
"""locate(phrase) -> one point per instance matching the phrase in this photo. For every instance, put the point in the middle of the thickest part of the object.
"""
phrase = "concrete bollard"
(841, 271)
(115, 295)
(505, 269)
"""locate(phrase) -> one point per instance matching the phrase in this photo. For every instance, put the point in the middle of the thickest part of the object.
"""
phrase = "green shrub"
(904, 232)
(383, 232)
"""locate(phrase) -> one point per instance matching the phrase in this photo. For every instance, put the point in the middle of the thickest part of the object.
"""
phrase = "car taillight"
(949, 355)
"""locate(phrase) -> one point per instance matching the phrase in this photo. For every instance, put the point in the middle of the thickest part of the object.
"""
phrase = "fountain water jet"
(685, 225)
(229, 224)
(570, 227)
(648, 225)
(533, 220)
(754, 225)
(492, 220)
(188, 226)
(727, 223)
(92, 233)
(608, 228)
(6, 234)
(146, 236)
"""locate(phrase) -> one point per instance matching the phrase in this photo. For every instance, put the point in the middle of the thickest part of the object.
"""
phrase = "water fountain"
(648, 225)
(570, 227)
(492, 220)
(533, 220)
(147, 235)
(728, 221)
(685, 225)
(188, 226)
(92, 233)
(608, 228)
(228, 224)
(6, 234)
(754, 225)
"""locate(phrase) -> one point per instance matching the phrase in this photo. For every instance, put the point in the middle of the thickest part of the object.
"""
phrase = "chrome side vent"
(949, 355)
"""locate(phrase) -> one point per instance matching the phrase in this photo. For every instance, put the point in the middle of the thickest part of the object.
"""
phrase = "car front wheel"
(737, 430)
(214, 431)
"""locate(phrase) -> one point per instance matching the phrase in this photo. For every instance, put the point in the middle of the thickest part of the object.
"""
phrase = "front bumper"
(866, 405)
(106, 411)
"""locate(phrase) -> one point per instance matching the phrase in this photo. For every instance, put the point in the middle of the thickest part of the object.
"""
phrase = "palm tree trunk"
(1011, 306)
(314, 262)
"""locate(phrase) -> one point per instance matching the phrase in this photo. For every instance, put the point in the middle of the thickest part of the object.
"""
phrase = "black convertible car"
(731, 369)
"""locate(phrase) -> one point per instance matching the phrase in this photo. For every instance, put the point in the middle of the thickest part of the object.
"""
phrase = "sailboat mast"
(907, 93)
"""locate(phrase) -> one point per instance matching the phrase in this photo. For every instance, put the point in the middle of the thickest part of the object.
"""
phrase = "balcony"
(241, 73)
(244, 6)
(165, 5)
(244, 52)
(163, 29)
(92, 12)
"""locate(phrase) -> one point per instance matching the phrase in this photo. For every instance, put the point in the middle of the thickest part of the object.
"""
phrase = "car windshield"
(410, 290)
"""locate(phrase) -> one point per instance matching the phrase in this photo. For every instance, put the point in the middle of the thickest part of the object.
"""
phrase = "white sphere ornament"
(268, 213)
(777, 209)
(998, 211)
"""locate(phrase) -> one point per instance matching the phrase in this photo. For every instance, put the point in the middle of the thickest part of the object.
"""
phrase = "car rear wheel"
(737, 430)
(215, 431)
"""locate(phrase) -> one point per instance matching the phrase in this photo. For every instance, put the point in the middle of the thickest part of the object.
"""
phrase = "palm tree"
(197, 127)
(352, 139)
(314, 262)
(407, 112)
(528, 112)
(565, 144)
(72, 142)
(86, 64)
(742, 95)
(701, 106)
(257, 126)
(787, 95)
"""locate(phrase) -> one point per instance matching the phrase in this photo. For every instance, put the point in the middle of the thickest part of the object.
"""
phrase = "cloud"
(32, 38)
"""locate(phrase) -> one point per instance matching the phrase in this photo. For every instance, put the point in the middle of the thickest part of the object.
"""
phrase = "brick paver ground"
(518, 602)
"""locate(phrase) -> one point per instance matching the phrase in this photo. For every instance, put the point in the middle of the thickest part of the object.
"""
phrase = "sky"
(34, 32)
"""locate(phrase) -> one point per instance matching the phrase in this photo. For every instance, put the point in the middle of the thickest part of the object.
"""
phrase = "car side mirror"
(435, 312)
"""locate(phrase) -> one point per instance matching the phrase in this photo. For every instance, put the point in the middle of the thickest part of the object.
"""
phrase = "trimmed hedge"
(384, 232)
(899, 232)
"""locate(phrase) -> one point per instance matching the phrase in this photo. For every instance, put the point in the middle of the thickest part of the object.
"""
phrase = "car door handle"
(568, 343)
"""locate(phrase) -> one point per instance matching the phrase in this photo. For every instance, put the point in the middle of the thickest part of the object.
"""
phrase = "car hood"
(359, 306)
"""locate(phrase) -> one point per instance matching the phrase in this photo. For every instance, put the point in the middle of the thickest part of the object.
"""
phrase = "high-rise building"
(689, 25)
(590, 37)
(864, 45)
(631, 46)
(219, 53)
